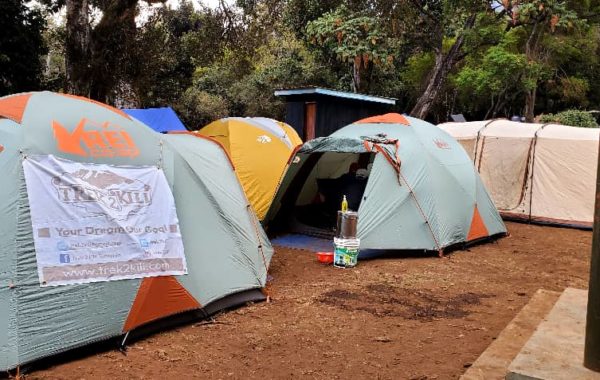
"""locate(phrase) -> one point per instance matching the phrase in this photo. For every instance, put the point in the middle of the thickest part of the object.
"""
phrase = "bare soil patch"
(398, 318)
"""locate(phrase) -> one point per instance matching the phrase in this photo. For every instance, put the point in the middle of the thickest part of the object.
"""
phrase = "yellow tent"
(259, 148)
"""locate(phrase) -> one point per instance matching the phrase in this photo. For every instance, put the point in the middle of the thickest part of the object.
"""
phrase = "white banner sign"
(94, 222)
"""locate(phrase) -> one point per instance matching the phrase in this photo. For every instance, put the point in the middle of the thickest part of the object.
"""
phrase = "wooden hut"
(317, 112)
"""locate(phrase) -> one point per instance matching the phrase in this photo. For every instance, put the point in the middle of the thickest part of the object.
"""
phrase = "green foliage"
(208, 63)
(174, 43)
(555, 13)
(247, 84)
(350, 37)
(55, 72)
(416, 69)
(299, 13)
(500, 71)
(283, 61)
(557, 61)
(355, 39)
(574, 118)
(198, 108)
(571, 90)
(21, 47)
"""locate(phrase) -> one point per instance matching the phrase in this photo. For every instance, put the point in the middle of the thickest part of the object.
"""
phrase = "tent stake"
(122, 347)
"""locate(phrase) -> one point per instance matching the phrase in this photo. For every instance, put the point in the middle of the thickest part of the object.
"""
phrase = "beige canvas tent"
(537, 172)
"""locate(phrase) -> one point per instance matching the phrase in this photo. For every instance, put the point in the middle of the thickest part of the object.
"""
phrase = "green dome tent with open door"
(414, 187)
(114, 176)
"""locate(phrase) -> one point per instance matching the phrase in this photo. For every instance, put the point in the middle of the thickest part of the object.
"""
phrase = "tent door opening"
(327, 178)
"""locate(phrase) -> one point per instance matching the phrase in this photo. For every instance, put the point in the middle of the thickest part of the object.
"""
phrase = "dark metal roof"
(335, 93)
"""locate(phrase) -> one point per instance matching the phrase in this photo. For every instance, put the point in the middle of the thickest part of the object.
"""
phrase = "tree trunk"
(77, 57)
(436, 80)
(356, 80)
(530, 97)
(361, 74)
(112, 41)
(443, 66)
(499, 103)
(532, 54)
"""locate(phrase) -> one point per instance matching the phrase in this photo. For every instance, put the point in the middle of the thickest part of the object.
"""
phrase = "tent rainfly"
(162, 119)
(542, 173)
(259, 149)
(413, 185)
(107, 226)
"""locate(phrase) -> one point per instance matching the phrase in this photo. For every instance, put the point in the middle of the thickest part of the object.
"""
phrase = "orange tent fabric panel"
(478, 229)
(158, 297)
(390, 118)
(13, 107)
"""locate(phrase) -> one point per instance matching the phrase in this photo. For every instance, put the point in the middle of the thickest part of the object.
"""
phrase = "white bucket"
(345, 254)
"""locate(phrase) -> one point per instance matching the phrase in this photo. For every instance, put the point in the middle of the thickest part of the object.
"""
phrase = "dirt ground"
(397, 318)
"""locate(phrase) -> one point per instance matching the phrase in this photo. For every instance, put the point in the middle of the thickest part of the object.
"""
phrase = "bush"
(197, 108)
(574, 118)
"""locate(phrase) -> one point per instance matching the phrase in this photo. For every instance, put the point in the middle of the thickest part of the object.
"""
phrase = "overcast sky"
(210, 3)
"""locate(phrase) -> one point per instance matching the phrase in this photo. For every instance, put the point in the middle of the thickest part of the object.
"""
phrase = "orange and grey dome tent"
(419, 191)
(259, 148)
(221, 240)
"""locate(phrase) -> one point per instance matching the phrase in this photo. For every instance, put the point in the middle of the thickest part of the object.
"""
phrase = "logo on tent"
(263, 139)
(90, 188)
(111, 140)
(441, 144)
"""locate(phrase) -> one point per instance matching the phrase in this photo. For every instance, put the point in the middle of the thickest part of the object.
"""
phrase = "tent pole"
(591, 357)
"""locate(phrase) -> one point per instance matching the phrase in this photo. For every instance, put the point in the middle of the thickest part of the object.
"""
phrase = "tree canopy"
(22, 47)
(437, 57)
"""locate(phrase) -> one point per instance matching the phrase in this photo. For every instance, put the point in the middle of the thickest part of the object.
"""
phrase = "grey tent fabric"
(225, 247)
(423, 191)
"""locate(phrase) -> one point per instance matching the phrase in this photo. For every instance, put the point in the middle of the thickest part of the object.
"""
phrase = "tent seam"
(479, 132)
(213, 201)
(535, 140)
(398, 168)
(16, 273)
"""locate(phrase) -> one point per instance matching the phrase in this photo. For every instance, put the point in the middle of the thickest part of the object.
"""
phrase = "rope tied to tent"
(374, 144)
(380, 138)
(414, 196)
(377, 143)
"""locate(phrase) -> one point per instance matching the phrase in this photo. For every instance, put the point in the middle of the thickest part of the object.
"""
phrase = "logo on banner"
(62, 246)
(111, 140)
(83, 187)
